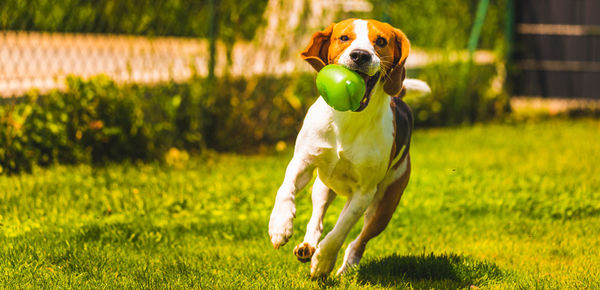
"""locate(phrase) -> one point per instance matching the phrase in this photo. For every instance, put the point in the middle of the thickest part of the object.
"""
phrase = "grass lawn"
(495, 206)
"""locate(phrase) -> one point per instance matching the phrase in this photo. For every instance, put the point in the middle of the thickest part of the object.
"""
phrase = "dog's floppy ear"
(397, 73)
(316, 51)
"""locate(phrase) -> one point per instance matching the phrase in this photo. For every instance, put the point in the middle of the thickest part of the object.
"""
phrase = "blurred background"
(108, 80)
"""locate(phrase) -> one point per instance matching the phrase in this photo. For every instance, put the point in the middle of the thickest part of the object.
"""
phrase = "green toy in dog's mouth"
(344, 89)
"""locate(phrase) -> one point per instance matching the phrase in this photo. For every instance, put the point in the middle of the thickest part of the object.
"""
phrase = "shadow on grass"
(428, 271)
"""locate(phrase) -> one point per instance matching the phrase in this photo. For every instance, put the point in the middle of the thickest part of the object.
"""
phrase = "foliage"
(429, 23)
(443, 24)
(96, 121)
(493, 206)
(239, 19)
(455, 100)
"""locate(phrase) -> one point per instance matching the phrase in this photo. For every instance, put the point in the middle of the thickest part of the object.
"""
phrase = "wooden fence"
(557, 49)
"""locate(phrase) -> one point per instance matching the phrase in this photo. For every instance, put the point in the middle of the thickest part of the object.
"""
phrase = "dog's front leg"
(297, 175)
(322, 196)
(324, 258)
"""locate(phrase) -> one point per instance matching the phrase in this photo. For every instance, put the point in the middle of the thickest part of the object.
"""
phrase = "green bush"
(252, 112)
(96, 120)
(455, 100)
(14, 154)
(93, 121)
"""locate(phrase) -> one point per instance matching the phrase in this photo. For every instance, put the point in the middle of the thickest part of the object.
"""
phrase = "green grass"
(495, 206)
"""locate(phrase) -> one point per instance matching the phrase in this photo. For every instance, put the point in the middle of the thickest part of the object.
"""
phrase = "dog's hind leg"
(324, 258)
(377, 217)
(322, 196)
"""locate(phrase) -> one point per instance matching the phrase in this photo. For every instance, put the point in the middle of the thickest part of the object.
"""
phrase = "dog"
(362, 155)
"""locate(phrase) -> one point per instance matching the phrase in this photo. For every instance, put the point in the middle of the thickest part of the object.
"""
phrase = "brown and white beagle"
(362, 155)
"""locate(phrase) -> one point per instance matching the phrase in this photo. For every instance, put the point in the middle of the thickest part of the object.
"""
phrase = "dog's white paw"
(281, 224)
(343, 269)
(322, 263)
(351, 258)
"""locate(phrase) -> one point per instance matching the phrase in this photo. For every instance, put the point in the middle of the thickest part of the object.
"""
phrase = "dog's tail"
(416, 86)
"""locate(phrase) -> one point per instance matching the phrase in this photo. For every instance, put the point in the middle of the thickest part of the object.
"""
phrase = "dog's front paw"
(322, 263)
(304, 252)
(281, 225)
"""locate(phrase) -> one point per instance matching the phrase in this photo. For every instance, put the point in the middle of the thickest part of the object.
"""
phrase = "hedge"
(97, 121)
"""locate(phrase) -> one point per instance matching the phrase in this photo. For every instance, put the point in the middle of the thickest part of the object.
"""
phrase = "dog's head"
(376, 50)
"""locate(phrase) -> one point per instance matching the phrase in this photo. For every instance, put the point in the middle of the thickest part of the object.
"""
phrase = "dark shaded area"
(443, 271)
(564, 84)
(558, 47)
(558, 11)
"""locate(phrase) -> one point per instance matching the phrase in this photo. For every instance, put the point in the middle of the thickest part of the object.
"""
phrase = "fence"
(43, 60)
(557, 49)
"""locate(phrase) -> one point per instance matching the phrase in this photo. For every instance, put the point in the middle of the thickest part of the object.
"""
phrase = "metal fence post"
(463, 102)
(212, 38)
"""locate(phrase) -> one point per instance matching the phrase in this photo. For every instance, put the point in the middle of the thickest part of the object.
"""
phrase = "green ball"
(341, 88)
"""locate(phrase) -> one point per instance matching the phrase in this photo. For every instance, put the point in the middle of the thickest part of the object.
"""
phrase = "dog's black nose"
(360, 56)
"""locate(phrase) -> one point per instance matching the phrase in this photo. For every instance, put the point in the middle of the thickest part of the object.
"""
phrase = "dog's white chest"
(362, 163)
(351, 151)
(340, 175)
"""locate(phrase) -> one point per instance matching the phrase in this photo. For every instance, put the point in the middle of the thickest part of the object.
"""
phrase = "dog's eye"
(344, 38)
(381, 42)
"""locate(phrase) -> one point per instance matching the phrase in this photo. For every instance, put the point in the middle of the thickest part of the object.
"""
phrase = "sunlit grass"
(498, 206)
